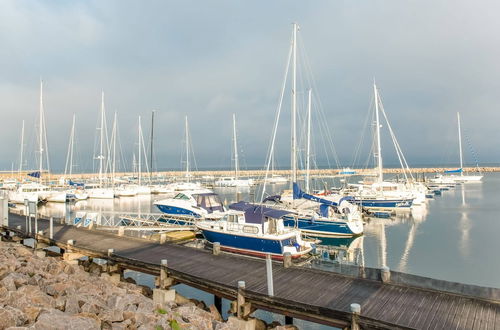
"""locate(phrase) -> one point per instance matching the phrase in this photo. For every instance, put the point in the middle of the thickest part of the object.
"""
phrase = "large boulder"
(11, 317)
(56, 320)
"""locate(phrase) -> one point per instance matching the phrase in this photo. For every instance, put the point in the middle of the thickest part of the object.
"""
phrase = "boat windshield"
(181, 196)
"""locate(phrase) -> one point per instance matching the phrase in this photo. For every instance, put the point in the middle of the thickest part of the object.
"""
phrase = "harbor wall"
(259, 173)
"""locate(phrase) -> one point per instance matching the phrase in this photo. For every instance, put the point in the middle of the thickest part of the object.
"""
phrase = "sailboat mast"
(377, 132)
(151, 145)
(308, 147)
(187, 148)
(139, 151)
(294, 106)
(236, 161)
(114, 137)
(40, 137)
(22, 150)
(460, 145)
(69, 156)
(101, 144)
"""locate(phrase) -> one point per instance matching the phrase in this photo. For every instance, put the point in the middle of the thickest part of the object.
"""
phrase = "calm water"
(454, 238)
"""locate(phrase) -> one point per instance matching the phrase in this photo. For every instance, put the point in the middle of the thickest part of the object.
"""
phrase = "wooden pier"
(399, 301)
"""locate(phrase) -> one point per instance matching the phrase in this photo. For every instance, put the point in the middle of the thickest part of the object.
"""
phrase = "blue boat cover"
(257, 213)
(298, 194)
(34, 174)
(459, 170)
(76, 184)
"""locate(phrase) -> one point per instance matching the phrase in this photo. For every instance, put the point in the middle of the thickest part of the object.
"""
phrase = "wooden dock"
(304, 293)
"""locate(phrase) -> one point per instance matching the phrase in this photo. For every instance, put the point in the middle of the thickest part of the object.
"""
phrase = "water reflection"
(464, 226)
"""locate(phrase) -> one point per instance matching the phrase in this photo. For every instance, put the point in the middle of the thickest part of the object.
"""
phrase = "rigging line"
(399, 152)
(469, 145)
(270, 153)
(396, 144)
(318, 102)
(357, 150)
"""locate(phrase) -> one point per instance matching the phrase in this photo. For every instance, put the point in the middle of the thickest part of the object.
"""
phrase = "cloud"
(208, 60)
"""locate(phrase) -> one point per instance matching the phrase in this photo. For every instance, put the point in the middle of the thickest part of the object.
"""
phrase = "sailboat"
(334, 217)
(234, 181)
(185, 185)
(457, 176)
(380, 194)
(77, 192)
(36, 191)
(140, 187)
(102, 191)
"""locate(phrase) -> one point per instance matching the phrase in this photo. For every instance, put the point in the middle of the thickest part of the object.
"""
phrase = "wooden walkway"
(315, 295)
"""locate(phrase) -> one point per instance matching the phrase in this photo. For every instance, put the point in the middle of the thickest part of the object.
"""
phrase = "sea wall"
(260, 173)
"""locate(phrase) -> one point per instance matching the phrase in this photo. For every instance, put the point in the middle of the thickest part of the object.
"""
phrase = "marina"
(234, 167)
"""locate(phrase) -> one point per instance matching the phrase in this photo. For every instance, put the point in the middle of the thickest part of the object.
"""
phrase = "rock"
(181, 300)
(72, 305)
(32, 313)
(260, 325)
(198, 318)
(147, 291)
(56, 320)
(215, 313)
(286, 327)
(146, 306)
(111, 316)
(11, 317)
(30, 295)
(143, 319)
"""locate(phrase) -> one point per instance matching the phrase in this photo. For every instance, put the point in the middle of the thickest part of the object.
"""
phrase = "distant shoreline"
(259, 173)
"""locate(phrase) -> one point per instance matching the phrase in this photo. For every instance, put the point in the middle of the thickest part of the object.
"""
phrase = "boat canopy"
(298, 194)
(458, 170)
(257, 213)
(209, 201)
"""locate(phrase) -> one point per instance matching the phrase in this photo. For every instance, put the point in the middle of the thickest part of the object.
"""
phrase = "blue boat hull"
(174, 210)
(384, 203)
(246, 244)
(320, 228)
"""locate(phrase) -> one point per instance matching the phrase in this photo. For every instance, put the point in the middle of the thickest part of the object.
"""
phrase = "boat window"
(214, 201)
(232, 218)
(250, 230)
(181, 196)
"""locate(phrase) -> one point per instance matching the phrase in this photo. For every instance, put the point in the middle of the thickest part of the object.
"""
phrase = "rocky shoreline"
(48, 293)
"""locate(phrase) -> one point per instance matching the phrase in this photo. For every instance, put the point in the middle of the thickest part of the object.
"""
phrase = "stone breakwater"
(260, 173)
(48, 293)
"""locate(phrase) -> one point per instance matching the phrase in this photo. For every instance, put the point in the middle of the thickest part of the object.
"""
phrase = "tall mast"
(69, 156)
(151, 145)
(22, 150)
(114, 137)
(294, 106)
(101, 144)
(308, 147)
(72, 146)
(377, 132)
(139, 152)
(187, 149)
(40, 137)
(236, 162)
(460, 145)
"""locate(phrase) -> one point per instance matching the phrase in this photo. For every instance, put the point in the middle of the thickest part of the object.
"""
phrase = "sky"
(210, 59)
